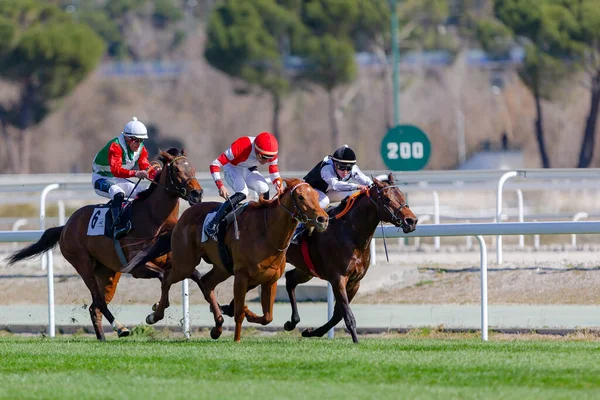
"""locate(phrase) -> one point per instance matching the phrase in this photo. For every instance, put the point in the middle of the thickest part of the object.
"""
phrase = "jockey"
(239, 163)
(122, 157)
(331, 179)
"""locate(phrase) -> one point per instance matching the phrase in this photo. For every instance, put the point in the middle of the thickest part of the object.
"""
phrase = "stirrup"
(119, 232)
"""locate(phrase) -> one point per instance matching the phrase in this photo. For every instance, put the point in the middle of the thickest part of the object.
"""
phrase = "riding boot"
(228, 206)
(298, 233)
(121, 225)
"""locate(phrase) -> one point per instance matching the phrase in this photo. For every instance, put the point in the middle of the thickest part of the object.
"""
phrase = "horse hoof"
(289, 326)
(215, 333)
(154, 306)
(123, 332)
(150, 319)
(308, 332)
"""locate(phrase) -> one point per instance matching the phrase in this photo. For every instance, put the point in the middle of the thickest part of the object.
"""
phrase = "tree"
(545, 28)
(587, 15)
(45, 55)
(246, 40)
(328, 50)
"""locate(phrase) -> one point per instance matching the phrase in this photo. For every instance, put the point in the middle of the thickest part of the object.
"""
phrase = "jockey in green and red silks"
(122, 157)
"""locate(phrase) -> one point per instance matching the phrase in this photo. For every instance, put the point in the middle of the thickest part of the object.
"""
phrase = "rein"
(393, 216)
(297, 214)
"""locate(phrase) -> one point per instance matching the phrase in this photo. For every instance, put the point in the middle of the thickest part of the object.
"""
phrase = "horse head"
(302, 202)
(181, 176)
(391, 202)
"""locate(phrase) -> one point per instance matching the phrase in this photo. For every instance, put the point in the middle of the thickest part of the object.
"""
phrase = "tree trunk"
(335, 133)
(539, 130)
(589, 136)
(25, 117)
(276, 98)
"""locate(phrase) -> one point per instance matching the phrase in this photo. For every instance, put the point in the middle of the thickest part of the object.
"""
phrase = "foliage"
(47, 55)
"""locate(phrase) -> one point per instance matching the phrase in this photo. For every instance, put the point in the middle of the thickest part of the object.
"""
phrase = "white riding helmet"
(136, 129)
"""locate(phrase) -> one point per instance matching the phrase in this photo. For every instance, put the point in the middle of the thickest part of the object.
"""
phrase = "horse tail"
(159, 246)
(48, 240)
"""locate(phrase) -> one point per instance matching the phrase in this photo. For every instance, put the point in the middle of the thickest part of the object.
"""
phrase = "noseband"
(297, 214)
(397, 221)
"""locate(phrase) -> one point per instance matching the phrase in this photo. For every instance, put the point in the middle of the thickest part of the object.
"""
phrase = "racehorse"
(341, 255)
(257, 258)
(95, 257)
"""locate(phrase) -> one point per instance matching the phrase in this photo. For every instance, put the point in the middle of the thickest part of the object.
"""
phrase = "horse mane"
(332, 212)
(164, 158)
(262, 203)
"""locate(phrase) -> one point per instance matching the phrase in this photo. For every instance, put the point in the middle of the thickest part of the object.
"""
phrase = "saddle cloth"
(101, 221)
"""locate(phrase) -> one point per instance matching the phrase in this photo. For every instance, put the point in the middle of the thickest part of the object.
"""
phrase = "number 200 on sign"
(405, 150)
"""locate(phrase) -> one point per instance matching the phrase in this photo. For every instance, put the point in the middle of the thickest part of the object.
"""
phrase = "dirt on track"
(551, 276)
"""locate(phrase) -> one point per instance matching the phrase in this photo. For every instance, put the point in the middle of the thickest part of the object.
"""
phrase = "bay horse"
(341, 255)
(95, 258)
(265, 230)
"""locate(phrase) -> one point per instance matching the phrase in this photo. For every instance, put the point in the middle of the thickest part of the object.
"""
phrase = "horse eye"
(387, 200)
(301, 198)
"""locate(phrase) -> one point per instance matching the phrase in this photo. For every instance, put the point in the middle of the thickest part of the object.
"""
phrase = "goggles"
(344, 167)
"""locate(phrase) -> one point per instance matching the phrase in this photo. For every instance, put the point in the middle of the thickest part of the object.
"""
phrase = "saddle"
(224, 252)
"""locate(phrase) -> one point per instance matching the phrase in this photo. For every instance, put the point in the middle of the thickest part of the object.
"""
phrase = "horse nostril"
(322, 220)
(410, 221)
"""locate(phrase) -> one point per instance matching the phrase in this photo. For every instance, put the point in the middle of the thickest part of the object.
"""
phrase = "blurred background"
(480, 77)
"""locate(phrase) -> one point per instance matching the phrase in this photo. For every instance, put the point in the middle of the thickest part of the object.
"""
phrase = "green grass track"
(293, 368)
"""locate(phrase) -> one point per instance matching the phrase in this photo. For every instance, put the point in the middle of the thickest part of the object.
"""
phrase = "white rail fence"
(478, 230)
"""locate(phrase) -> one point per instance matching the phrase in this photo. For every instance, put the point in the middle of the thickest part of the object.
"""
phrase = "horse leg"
(267, 298)
(84, 265)
(207, 284)
(240, 286)
(108, 280)
(294, 278)
(184, 259)
(227, 309)
(341, 310)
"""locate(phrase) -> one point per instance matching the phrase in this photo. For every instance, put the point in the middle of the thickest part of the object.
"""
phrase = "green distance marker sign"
(405, 148)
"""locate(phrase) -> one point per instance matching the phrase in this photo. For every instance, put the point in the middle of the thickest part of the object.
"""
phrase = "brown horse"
(95, 258)
(265, 230)
(341, 255)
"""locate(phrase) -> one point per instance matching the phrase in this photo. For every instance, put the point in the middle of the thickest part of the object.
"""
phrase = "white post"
(521, 217)
(47, 260)
(436, 217)
(185, 303)
(50, 263)
(373, 252)
(536, 239)
(330, 304)
(61, 212)
(501, 182)
(484, 294)
(577, 217)
(17, 224)
(469, 239)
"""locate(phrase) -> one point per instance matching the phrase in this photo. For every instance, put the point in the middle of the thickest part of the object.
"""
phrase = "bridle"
(172, 187)
(297, 214)
(394, 219)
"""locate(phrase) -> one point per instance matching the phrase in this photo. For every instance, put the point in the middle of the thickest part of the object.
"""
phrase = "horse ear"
(391, 178)
(183, 153)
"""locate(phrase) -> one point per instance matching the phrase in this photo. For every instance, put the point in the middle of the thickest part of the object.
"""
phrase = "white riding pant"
(242, 179)
(117, 185)
(332, 196)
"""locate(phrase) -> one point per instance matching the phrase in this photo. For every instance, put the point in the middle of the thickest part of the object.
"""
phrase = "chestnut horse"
(265, 230)
(95, 257)
(341, 255)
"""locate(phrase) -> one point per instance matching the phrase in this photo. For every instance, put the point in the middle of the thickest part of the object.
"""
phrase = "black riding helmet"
(344, 156)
